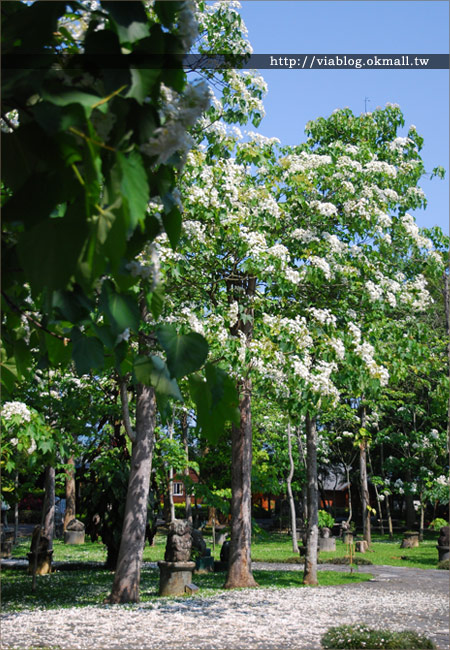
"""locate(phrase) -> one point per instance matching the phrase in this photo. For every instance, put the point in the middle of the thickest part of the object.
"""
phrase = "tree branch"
(125, 410)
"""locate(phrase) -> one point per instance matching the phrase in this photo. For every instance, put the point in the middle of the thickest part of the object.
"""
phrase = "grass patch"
(361, 636)
(278, 548)
(63, 589)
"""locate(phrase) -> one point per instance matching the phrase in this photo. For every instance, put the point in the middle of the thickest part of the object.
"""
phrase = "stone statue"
(44, 541)
(225, 552)
(198, 542)
(179, 541)
(444, 536)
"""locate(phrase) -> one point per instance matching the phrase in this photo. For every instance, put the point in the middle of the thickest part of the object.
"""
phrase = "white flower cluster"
(365, 351)
(195, 231)
(233, 313)
(323, 316)
(336, 246)
(304, 235)
(443, 480)
(181, 111)
(338, 346)
(11, 409)
(412, 229)
(325, 209)
(399, 144)
(355, 332)
(305, 162)
(147, 264)
(381, 167)
(187, 24)
(320, 380)
(347, 162)
(375, 292)
(262, 140)
(322, 264)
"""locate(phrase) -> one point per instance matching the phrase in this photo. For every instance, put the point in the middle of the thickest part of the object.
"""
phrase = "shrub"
(361, 636)
(444, 564)
(438, 523)
(325, 519)
(346, 560)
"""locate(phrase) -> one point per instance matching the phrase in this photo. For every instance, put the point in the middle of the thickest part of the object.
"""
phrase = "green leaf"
(59, 352)
(134, 187)
(122, 310)
(172, 226)
(216, 399)
(130, 19)
(185, 353)
(152, 371)
(166, 11)
(60, 95)
(87, 353)
(155, 301)
(49, 252)
(143, 81)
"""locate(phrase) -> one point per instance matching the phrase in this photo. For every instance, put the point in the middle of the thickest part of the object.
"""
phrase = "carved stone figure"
(179, 541)
(198, 542)
(444, 536)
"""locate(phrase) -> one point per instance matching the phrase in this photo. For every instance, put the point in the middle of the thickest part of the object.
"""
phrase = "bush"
(30, 516)
(438, 523)
(444, 564)
(325, 519)
(361, 636)
(346, 560)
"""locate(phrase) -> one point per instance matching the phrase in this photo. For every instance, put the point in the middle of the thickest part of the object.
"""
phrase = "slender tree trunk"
(365, 497)
(239, 567)
(170, 487)
(184, 429)
(389, 517)
(312, 535)
(409, 505)
(301, 454)
(349, 489)
(70, 492)
(16, 507)
(290, 495)
(377, 495)
(49, 516)
(128, 572)
(388, 504)
(422, 517)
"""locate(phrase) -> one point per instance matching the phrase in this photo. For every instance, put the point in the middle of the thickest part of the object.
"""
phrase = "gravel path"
(270, 619)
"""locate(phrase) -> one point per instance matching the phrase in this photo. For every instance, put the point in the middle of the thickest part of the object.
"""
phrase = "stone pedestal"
(347, 538)
(74, 537)
(174, 577)
(7, 540)
(44, 562)
(327, 543)
(204, 564)
(361, 546)
(410, 540)
(444, 552)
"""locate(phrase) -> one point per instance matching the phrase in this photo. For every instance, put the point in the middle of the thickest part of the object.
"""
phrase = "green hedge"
(361, 636)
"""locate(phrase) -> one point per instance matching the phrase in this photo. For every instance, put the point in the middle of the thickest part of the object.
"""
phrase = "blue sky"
(358, 27)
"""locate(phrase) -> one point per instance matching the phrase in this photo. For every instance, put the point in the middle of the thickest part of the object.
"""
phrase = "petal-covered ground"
(252, 619)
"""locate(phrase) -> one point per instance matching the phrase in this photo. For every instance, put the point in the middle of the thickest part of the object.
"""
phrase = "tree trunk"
(16, 507)
(49, 516)
(312, 533)
(290, 495)
(301, 454)
(388, 505)
(409, 505)
(70, 492)
(365, 497)
(446, 293)
(349, 490)
(377, 495)
(422, 517)
(128, 572)
(239, 567)
(184, 429)
(170, 486)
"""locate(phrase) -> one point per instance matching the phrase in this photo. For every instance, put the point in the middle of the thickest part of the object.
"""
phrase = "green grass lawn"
(267, 547)
(90, 587)
(277, 547)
